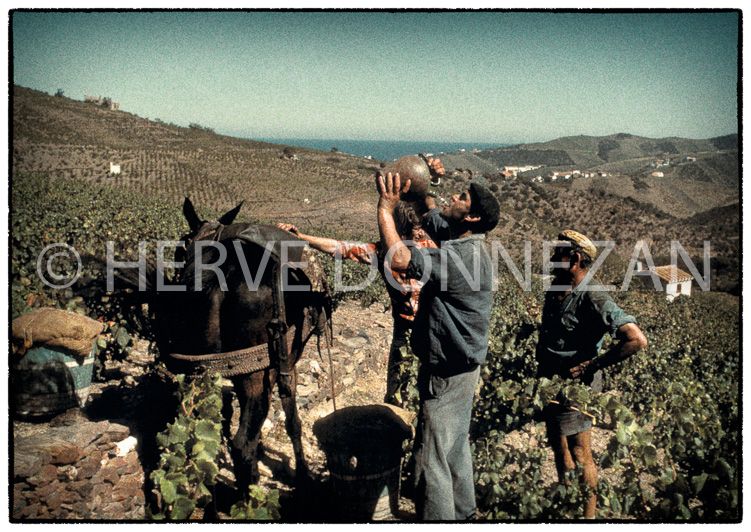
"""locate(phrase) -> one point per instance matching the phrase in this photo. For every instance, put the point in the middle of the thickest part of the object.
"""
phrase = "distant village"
(509, 173)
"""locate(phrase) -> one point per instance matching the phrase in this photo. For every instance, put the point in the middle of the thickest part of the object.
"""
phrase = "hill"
(590, 151)
(333, 194)
(60, 137)
(680, 176)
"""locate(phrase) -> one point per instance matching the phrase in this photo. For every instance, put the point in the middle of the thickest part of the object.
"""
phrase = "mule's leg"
(254, 395)
(294, 426)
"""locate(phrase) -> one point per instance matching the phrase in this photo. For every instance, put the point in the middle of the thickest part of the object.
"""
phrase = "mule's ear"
(229, 217)
(194, 222)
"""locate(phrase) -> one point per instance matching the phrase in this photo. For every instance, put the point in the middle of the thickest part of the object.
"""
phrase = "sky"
(486, 76)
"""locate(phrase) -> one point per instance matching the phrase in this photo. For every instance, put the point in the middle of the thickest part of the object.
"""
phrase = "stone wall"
(86, 470)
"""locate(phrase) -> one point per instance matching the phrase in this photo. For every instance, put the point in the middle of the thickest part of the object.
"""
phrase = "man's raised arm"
(390, 190)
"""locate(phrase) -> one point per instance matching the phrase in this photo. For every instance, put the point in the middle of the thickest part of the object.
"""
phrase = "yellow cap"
(578, 242)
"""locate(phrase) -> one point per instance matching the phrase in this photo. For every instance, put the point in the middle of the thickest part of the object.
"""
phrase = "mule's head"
(199, 228)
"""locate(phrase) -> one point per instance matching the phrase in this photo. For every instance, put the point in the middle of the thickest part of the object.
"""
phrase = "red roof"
(672, 274)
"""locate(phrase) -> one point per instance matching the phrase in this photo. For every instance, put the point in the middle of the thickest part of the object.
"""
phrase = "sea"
(384, 150)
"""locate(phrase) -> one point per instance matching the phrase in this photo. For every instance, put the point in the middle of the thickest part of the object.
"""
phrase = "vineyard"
(668, 421)
(672, 412)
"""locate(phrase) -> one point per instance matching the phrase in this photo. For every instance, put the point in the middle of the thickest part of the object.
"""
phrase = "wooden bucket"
(363, 448)
(47, 381)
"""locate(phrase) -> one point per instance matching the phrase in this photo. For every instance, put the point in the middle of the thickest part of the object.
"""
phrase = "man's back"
(451, 334)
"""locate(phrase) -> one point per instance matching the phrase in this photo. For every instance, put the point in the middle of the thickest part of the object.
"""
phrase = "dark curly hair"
(406, 219)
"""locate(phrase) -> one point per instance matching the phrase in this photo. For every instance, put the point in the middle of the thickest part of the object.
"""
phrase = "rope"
(328, 328)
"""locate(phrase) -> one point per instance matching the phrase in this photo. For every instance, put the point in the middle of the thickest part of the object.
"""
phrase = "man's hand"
(288, 227)
(436, 167)
(390, 189)
(581, 369)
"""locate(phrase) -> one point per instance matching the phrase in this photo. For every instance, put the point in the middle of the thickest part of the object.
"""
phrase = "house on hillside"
(103, 102)
(674, 281)
(657, 174)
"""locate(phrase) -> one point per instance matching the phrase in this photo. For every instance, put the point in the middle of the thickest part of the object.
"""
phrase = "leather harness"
(256, 358)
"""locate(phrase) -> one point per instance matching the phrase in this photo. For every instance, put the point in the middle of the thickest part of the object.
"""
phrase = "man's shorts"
(561, 420)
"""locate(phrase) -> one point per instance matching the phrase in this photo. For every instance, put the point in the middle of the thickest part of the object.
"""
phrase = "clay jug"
(416, 170)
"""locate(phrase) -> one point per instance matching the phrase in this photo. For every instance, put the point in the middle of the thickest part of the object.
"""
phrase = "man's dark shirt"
(450, 335)
(573, 328)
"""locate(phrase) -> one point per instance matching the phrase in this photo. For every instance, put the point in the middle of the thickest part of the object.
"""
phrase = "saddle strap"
(230, 364)
(279, 347)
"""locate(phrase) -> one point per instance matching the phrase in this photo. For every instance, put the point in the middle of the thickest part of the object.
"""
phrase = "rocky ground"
(359, 367)
(358, 357)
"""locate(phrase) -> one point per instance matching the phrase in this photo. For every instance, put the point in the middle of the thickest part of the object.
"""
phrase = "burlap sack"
(54, 328)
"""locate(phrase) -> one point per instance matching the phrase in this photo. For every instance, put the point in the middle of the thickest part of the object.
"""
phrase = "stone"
(79, 509)
(72, 416)
(67, 473)
(45, 476)
(48, 489)
(62, 452)
(19, 505)
(126, 445)
(94, 457)
(80, 434)
(304, 391)
(87, 470)
(118, 464)
(110, 476)
(354, 342)
(26, 464)
(348, 333)
(82, 488)
(118, 432)
(131, 487)
(113, 509)
(52, 501)
(102, 441)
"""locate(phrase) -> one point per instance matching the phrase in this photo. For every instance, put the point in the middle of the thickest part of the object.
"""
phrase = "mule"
(232, 302)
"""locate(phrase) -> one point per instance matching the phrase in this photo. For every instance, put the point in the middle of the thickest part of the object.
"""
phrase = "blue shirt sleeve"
(612, 316)
(422, 260)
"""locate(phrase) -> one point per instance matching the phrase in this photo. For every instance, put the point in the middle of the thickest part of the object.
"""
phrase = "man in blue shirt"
(577, 314)
(450, 337)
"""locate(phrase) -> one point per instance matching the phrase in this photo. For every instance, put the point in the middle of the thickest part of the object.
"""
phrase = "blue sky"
(451, 76)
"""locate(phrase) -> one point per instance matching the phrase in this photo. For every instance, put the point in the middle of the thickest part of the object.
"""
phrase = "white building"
(677, 282)
(674, 281)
